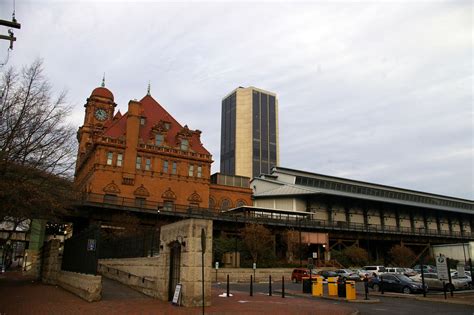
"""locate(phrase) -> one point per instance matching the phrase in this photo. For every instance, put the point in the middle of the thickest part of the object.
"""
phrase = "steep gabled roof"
(154, 113)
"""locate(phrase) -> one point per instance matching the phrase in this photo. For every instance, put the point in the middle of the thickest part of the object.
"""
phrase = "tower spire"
(103, 81)
(149, 87)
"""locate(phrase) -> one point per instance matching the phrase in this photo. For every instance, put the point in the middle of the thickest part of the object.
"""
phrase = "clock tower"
(98, 115)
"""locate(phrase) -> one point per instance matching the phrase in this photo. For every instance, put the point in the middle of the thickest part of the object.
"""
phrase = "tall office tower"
(249, 132)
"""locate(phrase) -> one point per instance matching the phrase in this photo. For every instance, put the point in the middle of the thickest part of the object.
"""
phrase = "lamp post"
(154, 232)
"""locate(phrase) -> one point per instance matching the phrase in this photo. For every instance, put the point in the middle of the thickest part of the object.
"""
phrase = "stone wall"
(88, 287)
(138, 273)
(188, 232)
(51, 262)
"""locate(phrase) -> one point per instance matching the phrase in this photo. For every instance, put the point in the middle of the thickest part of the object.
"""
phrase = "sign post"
(217, 268)
(443, 271)
(203, 249)
(442, 268)
(254, 266)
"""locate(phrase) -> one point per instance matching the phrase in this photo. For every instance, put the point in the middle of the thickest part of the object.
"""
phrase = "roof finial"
(149, 87)
(103, 81)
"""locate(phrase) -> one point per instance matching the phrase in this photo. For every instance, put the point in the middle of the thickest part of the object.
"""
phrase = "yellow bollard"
(350, 290)
(318, 286)
(332, 286)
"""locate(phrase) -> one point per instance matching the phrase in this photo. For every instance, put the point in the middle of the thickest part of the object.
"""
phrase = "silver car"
(431, 279)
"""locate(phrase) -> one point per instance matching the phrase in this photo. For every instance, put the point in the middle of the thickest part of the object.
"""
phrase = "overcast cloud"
(378, 92)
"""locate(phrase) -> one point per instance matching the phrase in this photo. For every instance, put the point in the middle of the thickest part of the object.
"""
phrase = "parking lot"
(389, 303)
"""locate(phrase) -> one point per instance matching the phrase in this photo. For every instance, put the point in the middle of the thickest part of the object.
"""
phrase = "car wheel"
(376, 287)
(406, 290)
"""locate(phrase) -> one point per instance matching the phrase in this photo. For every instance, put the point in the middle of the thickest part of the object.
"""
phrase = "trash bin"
(318, 286)
(332, 286)
(350, 290)
(341, 288)
(306, 284)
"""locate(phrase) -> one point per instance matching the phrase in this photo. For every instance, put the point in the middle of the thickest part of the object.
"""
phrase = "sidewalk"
(19, 295)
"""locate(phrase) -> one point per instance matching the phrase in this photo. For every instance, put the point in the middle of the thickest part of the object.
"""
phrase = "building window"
(165, 166)
(168, 206)
(142, 121)
(191, 170)
(199, 171)
(119, 159)
(174, 168)
(167, 125)
(225, 204)
(110, 156)
(138, 163)
(184, 145)
(148, 164)
(140, 202)
(159, 138)
(110, 198)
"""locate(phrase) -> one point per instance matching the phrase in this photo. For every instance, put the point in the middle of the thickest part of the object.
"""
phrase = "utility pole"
(12, 24)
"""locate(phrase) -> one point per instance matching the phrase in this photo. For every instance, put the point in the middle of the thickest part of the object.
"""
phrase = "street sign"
(442, 268)
(91, 244)
(217, 265)
(315, 255)
(254, 266)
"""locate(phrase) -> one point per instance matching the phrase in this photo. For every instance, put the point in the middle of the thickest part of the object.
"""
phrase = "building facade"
(144, 158)
(249, 132)
(364, 214)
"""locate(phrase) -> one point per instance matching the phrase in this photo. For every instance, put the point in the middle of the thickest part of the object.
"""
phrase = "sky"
(376, 91)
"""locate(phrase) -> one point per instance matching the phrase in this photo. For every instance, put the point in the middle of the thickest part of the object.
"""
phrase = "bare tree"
(257, 238)
(36, 147)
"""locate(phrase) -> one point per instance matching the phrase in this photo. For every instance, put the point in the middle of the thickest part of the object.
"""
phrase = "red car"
(298, 273)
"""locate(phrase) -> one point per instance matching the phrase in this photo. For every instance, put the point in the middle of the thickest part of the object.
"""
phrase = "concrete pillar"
(32, 261)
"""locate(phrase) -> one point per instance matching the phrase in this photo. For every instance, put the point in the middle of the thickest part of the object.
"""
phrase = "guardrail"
(153, 207)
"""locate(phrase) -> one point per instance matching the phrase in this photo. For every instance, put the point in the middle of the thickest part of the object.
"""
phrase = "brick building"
(146, 157)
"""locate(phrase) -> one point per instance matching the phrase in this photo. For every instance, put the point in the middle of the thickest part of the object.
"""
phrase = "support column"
(412, 221)
(32, 261)
(397, 218)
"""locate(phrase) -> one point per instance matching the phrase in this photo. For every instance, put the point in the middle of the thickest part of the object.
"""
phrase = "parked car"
(466, 274)
(396, 283)
(397, 270)
(299, 273)
(371, 270)
(431, 279)
(410, 272)
(426, 268)
(327, 273)
(347, 274)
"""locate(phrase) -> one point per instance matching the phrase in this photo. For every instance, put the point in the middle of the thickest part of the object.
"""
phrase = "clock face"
(100, 114)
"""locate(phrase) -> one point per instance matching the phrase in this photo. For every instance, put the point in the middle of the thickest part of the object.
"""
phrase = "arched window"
(226, 204)
(212, 203)
(240, 203)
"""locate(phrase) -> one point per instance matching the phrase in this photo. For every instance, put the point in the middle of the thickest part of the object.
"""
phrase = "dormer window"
(184, 145)
(159, 138)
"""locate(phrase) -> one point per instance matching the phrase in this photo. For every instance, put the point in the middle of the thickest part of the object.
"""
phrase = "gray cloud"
(379, 92)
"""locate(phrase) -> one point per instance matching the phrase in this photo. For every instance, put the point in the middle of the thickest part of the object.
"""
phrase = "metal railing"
(152, 207)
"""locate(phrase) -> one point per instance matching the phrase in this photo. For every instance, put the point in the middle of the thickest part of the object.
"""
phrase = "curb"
(329, 298)
(427, 299)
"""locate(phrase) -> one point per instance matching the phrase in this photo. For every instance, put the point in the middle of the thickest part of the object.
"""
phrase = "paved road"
(387, 305)
(392, 306)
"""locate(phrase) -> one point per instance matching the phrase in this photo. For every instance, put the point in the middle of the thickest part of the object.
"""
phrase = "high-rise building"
(249, 132)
